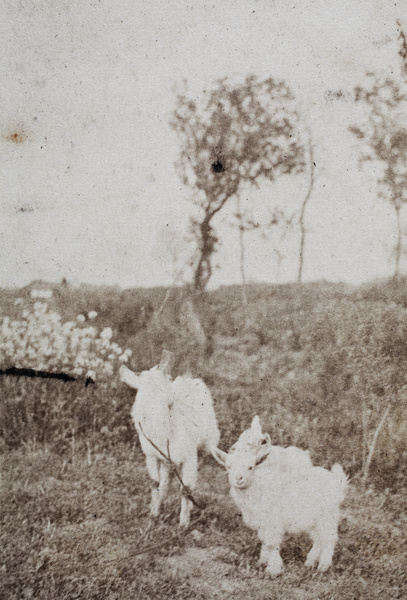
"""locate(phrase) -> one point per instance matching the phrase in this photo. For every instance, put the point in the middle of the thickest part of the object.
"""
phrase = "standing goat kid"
(275, 501)
(173, 419)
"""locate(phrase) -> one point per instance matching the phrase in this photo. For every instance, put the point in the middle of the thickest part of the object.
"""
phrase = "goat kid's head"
(250, 450)
(239, 466)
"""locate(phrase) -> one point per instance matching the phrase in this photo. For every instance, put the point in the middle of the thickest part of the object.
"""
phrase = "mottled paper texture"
(208, 197)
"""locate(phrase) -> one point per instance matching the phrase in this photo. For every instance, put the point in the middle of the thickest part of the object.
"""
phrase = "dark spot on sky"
(217, 167)
(15, 137)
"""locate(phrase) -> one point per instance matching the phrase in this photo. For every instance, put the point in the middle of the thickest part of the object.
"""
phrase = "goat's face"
(251, 449)
(239, 464)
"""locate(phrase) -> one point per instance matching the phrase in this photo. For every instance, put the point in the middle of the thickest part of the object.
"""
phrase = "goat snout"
(239, 481)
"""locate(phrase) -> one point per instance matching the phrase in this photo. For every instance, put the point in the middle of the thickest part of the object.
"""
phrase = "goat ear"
(219, 455)
(255, 426)
(128, 377)
(262, 458)
(267, 438)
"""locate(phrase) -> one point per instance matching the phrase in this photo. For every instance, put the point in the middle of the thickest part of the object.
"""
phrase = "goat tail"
(338, 471)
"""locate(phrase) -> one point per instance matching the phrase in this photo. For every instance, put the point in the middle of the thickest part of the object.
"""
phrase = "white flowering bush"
(50, 410)
(39, 340)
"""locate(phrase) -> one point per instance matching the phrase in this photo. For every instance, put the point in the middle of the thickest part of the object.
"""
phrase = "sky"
(89, 190)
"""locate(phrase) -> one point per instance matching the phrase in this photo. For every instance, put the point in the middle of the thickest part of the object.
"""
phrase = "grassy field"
(321, 364)
(71, 529)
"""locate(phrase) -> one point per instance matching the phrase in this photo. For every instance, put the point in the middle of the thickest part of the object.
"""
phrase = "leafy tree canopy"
(385, 134)
(237, 134)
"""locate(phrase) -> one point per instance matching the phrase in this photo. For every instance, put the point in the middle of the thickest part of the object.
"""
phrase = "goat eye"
(250, 468)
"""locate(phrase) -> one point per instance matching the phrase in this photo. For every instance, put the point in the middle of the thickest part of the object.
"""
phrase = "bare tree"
(384, 135)
(303, 231)
(237, 134)
(276, 221)
(402, 50)
(241, 227)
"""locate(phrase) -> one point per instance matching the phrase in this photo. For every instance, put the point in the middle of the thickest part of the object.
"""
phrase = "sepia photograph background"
(226, 182)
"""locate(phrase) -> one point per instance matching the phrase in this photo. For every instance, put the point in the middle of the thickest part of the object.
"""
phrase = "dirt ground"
(74, 530)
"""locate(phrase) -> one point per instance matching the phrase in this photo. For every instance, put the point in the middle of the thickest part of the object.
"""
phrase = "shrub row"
(320, 364)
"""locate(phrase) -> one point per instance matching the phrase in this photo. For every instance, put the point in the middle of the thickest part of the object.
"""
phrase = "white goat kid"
(258, 444)
(275, 501)
(178, 417)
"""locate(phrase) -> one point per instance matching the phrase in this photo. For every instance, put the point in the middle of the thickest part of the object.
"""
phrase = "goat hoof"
(184, 524)
(154, 513)
(275, 564)
(273, 572)
(310, 563)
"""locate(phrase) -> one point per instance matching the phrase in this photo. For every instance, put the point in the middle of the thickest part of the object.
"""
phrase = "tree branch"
(185, 489)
